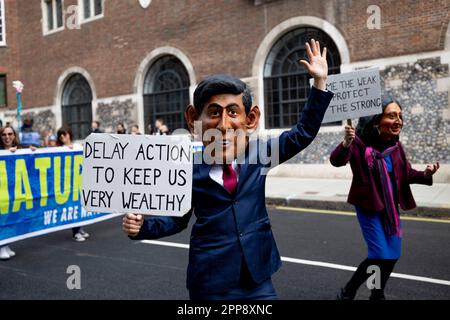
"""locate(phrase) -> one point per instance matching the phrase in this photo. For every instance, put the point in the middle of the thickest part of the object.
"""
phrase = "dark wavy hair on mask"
(367, 128)
(221, 84)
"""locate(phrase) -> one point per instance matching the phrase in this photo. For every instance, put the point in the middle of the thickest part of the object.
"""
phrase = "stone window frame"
(256, 80)
(283, 108)
(2, 24)
(145, 65)
(46, 30)
(61, 83)
(154, 105)
(93, 16)
(72, 107)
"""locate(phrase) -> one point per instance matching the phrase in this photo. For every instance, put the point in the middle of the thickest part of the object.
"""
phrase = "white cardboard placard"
(356, 94)
(137, 174)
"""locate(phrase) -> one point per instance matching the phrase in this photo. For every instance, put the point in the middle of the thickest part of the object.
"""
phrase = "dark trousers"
(361, 275)
(247, 289)
(75, 230)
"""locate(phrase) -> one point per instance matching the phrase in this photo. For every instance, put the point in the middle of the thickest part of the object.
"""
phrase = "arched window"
(77, 106)
(166, 93)
(286, 82)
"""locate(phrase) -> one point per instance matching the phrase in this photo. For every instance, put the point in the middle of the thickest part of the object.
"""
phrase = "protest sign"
(40, 193)
(356, 94)
(30, 139)
(137, 174)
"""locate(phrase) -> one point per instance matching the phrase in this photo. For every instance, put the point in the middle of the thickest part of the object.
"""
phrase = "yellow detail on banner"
(63, 185)
(62, 197)
(22, 180)
(77, 162)
(4, 193)
(43, 164)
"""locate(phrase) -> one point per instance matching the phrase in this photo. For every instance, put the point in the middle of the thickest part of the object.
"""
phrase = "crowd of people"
(159, 128)
(244, 251)
(10, 140)
(34, 139)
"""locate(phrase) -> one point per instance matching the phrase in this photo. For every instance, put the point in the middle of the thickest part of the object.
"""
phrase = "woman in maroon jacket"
(381, 179)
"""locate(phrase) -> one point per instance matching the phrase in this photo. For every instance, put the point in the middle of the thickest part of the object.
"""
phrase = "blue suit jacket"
(233, 227)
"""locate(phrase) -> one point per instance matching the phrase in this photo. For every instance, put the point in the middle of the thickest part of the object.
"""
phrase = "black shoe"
(345, 295)
(377, 295)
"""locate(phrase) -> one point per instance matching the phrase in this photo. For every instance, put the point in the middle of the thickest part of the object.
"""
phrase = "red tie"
(229, 178)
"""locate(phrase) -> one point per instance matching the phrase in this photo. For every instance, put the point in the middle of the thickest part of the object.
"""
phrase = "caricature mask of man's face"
(225, 125)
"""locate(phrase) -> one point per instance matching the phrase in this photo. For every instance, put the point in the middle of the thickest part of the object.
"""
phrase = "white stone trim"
(45, 30)
(447, 39)
(297, 22)
(110, 100)
(443, 84)
(275, 34)
(11, 115)
(145, 3)
(62, 80)
(35, 109)
(382, 63)
(2, 17)
(138, 87)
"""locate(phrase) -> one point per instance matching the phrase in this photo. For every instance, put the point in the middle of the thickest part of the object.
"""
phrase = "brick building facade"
(125, 61)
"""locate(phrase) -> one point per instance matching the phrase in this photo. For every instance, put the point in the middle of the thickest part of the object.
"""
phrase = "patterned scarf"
(374, 157)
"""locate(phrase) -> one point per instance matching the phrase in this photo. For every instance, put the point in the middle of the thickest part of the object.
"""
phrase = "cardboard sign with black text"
(137, 174)
(356, 94)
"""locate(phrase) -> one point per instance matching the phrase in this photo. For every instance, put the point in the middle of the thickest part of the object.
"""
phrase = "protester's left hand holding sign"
(132, 223)
(137, 174)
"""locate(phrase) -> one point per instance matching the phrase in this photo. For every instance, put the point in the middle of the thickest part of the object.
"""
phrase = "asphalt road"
(114, 267)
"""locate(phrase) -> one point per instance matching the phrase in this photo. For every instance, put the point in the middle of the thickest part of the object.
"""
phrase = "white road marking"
(348, 213)
(314, 263)
(167, 244)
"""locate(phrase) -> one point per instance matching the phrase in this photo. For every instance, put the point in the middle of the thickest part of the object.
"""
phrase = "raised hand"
(317, 65)
(431, 169)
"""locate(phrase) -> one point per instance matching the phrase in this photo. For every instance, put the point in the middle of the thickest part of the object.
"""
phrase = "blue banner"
(40, 192)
